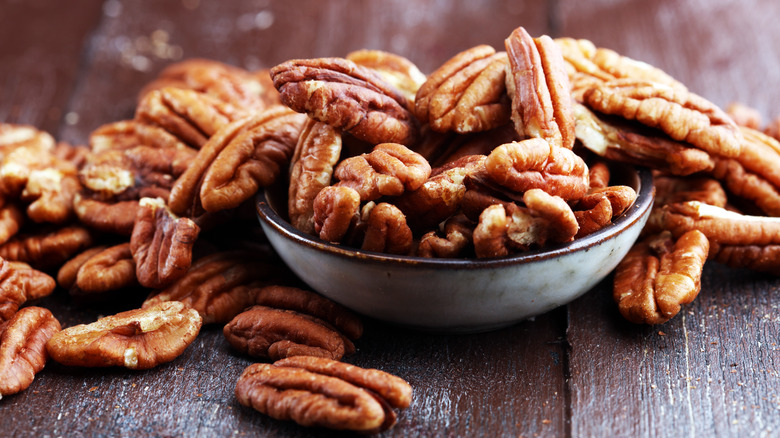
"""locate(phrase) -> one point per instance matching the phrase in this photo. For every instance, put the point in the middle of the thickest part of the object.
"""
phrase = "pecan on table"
(135, 339)
(161, 244)
(659, 275)
(47, 248)
(336, 210)
(621, 141)
(348, 97)
(318, 392)
(682, 115)
(311, 170)
(265, 332)
(394, 69)
(23, 347)
(467, 93)
(388, 170)
(50, 194)
(536, 164)
(98, 270)
(220, 285)
(20, 283)
(538, 86)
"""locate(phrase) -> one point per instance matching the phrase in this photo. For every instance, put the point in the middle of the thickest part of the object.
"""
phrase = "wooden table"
(580, 370)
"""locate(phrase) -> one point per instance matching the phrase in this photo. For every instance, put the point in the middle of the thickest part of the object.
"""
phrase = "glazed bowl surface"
(456, 295)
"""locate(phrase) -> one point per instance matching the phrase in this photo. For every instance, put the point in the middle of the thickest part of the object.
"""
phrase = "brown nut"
(490, 235)
(561, 226)
(659, 275)
(627, 143)
(467, 93)
(538, 85)
(349, 397)
(388, 170)
(19, 283)
(348, 97)
(336, 210)
(671, 190)
(11, 220)
(68, 272)
(47, 249)
(600, 206)
(116, 217)
(265, 332)
(760, 258)
(161, 244)
(535, 164)
(386, 230)
(682, 115)
(311, 170)
(107, 269)
(126, 134)
(135, 339)
(23, 347)
(219, 286)
(394, 69)
(13, 136)
(457, 237)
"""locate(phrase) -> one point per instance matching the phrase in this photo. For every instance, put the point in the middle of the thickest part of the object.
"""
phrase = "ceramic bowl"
(456, 295)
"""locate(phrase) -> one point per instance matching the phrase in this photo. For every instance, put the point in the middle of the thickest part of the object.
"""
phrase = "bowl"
(456, 295)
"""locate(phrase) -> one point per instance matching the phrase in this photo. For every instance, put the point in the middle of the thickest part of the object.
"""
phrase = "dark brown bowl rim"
(643, 203)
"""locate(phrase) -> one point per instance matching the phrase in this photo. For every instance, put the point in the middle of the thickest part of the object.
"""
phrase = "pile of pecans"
(494, 153)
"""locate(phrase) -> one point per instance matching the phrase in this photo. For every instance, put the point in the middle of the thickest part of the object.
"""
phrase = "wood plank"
(713, 369)
(41, 48)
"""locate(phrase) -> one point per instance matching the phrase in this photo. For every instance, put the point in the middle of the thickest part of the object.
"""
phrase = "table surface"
(579, 370)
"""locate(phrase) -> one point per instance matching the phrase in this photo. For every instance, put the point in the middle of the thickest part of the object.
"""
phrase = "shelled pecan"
(98, 270)
(135, 339)
(394, 69)
(336, 210)
(23, 347)
(19, 283)
(47, 248)
(348, 397)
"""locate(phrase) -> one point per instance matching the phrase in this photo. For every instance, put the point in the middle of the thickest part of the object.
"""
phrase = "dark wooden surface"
(580, 370)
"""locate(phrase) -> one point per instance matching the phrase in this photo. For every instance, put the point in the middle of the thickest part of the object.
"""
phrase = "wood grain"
(580, 370)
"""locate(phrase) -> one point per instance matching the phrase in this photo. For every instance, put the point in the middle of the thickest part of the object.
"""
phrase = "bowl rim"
(642, 204)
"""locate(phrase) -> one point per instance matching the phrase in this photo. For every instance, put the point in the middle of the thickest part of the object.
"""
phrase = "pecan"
(457, 237)
(594, 218)
(68, 272)
(388, 170)
(50, 193)
(116, 217)
(394, 69)
(467, 93)
(19, 283)
(311, 169)
(600, 206)
(105, 270)
(189, 115)
(620, 141)
(336, 210)
(659, 275)
(11, 220)
(251, 160)
(219, 286)
(561, 226)
(225, 82)
(348, 97)
(762, 258)
(386, 230)
(135, 339)
(718, 224)
(441, 195)
(670, 190)
(347, 397)
(310, 303)
(598, 174)
(47, 249)
(127, 134)
(539, 88)
(490, 237)
(266, 332)
(534, 163)
(23, 347)
(17, 164)
(223, 173)
(13, 136)
(682, 115)
(161, 244)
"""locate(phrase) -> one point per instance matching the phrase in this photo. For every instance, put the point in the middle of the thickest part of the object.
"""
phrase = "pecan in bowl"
(465, 294)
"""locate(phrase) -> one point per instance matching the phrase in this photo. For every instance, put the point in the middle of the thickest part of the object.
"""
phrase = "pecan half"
(394, 69)
(20, 283)
(311, 170)
(347, 397)
(47, 249)
(135, 339)
(682, 115)
(23, 347)
(671, 190)
(386, 230)
(68, 272)
(538, 85)
(161, 244)
(457, 237)
(659, 275)
(110, 217)
(108, 269)
(536, 164)
(388, 170)
(266, 332)
(467, 93)
(11, 220)
(348, 97)
(126, 134)
(336, 210)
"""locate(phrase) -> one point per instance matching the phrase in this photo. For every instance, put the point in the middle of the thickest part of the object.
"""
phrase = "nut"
(394, 69)
(107, 269)
(347, 397)
(457, 237)
(19, 283)
(659, 275)
(386, 230)
(135, 339)
(336, 210)
(23, 347)
(44, 249)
